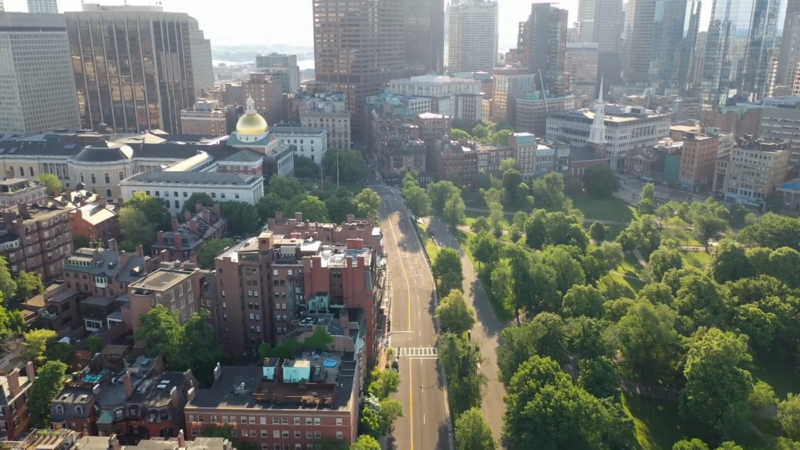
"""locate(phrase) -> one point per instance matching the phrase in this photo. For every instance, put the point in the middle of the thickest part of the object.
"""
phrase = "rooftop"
(290, 130)
(160, 280)
(120, 265)
(207, 178)
(583, 153)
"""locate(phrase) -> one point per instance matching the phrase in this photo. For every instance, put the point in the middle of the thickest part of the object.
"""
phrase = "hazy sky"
(261, 22)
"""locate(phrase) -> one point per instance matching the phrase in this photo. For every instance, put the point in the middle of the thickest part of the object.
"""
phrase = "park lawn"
(778, 372)
(698, 260)
(615, 286)
(679, 235)
(612, 208)
(658, 424)
(630, 265)
(430, 247)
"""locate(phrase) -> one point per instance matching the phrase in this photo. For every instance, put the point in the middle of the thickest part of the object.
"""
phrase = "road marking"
(417, 351)
(423, 419)
(408, 293)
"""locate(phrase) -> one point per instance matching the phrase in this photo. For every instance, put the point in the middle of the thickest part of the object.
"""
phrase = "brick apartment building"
(175, 285)
(64, 439)
(284, 405)
(37, 238)
(185, 240)
(14, 388)
(455, 156)
(698, 160)
(97, 221)
(267, 93)
(117, 394)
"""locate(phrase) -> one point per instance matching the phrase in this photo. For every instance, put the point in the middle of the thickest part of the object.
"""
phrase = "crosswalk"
(417, 352)
(390, 197)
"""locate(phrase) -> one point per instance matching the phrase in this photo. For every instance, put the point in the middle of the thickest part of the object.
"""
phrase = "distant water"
(303, 65)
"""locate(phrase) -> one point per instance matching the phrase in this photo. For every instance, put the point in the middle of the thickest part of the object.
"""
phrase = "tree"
(453, 212)
(367, 203)
(757, 324)
(772, 231)
(384, 383)
(715, 377)
(95, 344)
(319, 340)
(480, 224)
(511, 179)
(707, 226)
(198, 347)
(536, 229)
(135, 229)
(543, 336)
(783, 265)
(49, 382)
(35, 344)
(458, 134)
(761, 398)
(366, 442)
(600, 181)
(389, 411)
(738, 212)
(642, 234)
(774, 201)
(600, 377)
(582, 300)
(417, 200)
(599, 260)
(29, 284)
(209, 251)
(59, 351)
(598, 231)
(568, 270)
(153, 209)
(51, 182)
(313, 209)
(80, 241)
(699, 300)
(647, 202)
(789, 416)
(161, 330)
(351, 165)
(460, 359)
(340, 205)
(500, 138)
(242, 218)
(439, 193)
(8, 287)
(370, 424)
(573, 187)
(656, 293)
(270, 204)
(693, 444)
(486, 250)
(285, 187)
(454, 314)
(198, 197)
(729, 262)
(648, 341)
(472, 432)
(661, 261)
(304, 167)
(447, 271)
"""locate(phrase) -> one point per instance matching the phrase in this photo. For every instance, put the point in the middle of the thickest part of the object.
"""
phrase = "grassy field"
(612, 208)
(679, 235)
(630, 265)
(696, 259)
(430, 247)
(658, 424)
(615, 286)
(778, 372)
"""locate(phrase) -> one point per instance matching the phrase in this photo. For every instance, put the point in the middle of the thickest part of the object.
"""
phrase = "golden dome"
(251, 123)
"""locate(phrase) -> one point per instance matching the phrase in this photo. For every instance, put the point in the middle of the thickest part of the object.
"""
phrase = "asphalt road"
(486, 331)
(413, 333)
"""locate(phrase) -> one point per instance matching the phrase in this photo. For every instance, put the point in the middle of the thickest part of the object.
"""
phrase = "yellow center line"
(408, 292)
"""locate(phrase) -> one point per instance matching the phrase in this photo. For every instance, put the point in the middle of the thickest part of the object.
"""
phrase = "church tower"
(597, 131)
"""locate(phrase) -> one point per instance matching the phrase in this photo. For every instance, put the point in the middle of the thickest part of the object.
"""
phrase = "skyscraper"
(542, 45)
(283, 67)
(424, 37)
(640, 20)
(739, 46)
(472, 39)
(133, 66)
(203, 67)
(600, 21)
(674, 38)
(358, 48)
(43, 6)
(790, 44)
(37, 91)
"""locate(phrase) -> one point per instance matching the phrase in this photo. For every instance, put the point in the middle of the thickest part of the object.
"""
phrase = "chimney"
(177, 241)
(351, 218)
(128, 385)
(173, 395)
(68, 190)
(160, 238)
(193, 225)
(124, 257)
(355, 244)
(181, 440)
(140, 251)
(82, 201)
(95, 253)
(206, 216)
(174, 224)
(112, 245)
(217, 372)
(13, 382)
(23, 210)
(198, 207)
(163, 255)
(215, 208)
(113, 443)
(96, 387)
(56, 191)
(30, 372)
(278, 217)
(187, 216)
(188, 375)
(102, 201)
(298, 216)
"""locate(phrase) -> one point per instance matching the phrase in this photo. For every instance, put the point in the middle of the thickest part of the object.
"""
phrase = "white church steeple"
(597, 131)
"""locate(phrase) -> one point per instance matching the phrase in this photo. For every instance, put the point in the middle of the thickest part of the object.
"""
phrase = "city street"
(413, 334)
(486, 331)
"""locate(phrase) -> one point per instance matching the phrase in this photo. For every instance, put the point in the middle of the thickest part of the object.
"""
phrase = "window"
(309, 435)
(59, 409)
(284, 421)
(243, 419)
(121, 176)
(94, 180)
(108, 178)
(108, 193)
(264, 433)
(285, 434)
(276, 434)
(21, 171)
(308, 420)
(30, 170)
(339, 421)
(317, 421)
(297, 435)
(213, 419)
(276, 421)
(185, 194)
(339, 435)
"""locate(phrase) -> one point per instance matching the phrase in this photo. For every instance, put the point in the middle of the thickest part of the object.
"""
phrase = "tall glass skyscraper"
(674, 37)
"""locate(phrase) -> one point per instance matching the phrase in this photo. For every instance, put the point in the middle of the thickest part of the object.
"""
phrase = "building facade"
(472, 36)
(581, 63)
(542, 43)
(424, 37)
(455, 97)
(14, 391)
(267, 95)
(97, 221)
(600, 22)
(329, 112)
(508, 84)
(755, 168)
(43, 237)
(532, 110)
(38, 93)
(43, 6)
(698, 160)
(282, 67)
(184, 241)
(675, 30)
(205, 118)
(309, 142)
(783, 123)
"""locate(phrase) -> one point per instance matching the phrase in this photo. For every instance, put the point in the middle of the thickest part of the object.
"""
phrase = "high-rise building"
(459, 98)
(508, 83)
(358, 48)
(472, 36)
(201, 59)
(637, 47)
(581, 63)
(600, 21)
(740, 41)
(282, 67)
(789, 54)
(43, 6)
(674, 38)
(38, 90)
(267, 93)
(142, 81)
(424, 37)
(542, 44)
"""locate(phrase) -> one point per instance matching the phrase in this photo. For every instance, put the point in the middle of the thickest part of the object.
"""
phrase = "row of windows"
(276, 420)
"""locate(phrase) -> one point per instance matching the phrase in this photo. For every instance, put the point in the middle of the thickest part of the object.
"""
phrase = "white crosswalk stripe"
(417, 352)
(390, 197)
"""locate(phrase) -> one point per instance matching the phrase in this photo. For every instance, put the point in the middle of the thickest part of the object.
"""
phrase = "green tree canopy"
(135, 229)
(285, 187)
(582, 300)
(161, 330)
(661, 261)
(417, 200)
(367, 202)
(29, 284)
(270, 204)
(383, 383)
(439, 193)
(648, 341)
(153, 209)
(600, 181)
(729, 262)
(460, 359)
(543, 336)
(600, 377)
(472, 432)
(598, 231)
(243, 219)
(772, 231)
(51, 182)
(304, 167)
(313, 209)
(447, 270)
(789, 416)
(198, 197)
(453, 213)
(209, 251)
(351, 165)
(35, 344)
(454, 314)
(49, 382)
(366, 442)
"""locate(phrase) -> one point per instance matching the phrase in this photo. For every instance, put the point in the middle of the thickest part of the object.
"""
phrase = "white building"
(253, 133)
(328, 111)
(626, 128)
(472, 36)
(37, 87)
(309, 142)
(43, 6)
(459, 98)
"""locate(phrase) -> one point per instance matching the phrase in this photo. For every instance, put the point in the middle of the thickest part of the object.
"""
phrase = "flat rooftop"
(161, 280)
